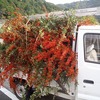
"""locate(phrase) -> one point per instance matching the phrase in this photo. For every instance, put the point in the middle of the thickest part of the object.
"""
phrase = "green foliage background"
(26, 7)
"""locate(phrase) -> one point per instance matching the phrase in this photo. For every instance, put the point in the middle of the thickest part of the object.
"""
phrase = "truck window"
(92, 47)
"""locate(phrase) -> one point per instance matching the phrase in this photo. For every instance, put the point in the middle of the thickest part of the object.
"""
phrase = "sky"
(62, 1)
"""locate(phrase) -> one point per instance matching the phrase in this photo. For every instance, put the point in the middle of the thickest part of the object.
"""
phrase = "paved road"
(5, 94)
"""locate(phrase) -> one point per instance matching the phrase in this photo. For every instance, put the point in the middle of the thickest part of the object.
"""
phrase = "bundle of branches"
(40, 48)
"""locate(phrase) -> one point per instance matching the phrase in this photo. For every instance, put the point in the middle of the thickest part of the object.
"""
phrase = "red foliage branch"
(43, 55)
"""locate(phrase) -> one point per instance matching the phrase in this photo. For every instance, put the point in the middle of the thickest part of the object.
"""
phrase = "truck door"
(88, 63)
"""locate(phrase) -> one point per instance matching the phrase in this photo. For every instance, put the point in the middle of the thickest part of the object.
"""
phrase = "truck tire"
(19, 90)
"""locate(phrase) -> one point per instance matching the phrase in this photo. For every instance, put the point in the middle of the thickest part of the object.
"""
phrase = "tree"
(27, 7)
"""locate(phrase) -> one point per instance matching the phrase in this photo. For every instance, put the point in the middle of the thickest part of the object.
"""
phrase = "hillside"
(26, 7)
(80, 4)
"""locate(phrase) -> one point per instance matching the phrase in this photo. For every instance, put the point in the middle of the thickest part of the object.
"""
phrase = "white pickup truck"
(87, 46)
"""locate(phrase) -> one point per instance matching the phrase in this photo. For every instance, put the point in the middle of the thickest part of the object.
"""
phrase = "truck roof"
(90, 27)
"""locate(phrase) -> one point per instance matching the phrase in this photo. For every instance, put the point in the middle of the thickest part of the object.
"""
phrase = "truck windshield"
(92, 47)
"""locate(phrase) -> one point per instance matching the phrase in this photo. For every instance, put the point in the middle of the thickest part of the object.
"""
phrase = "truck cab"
(88, 40)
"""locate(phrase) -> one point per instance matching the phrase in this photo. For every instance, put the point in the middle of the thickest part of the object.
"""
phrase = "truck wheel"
(19, 91)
